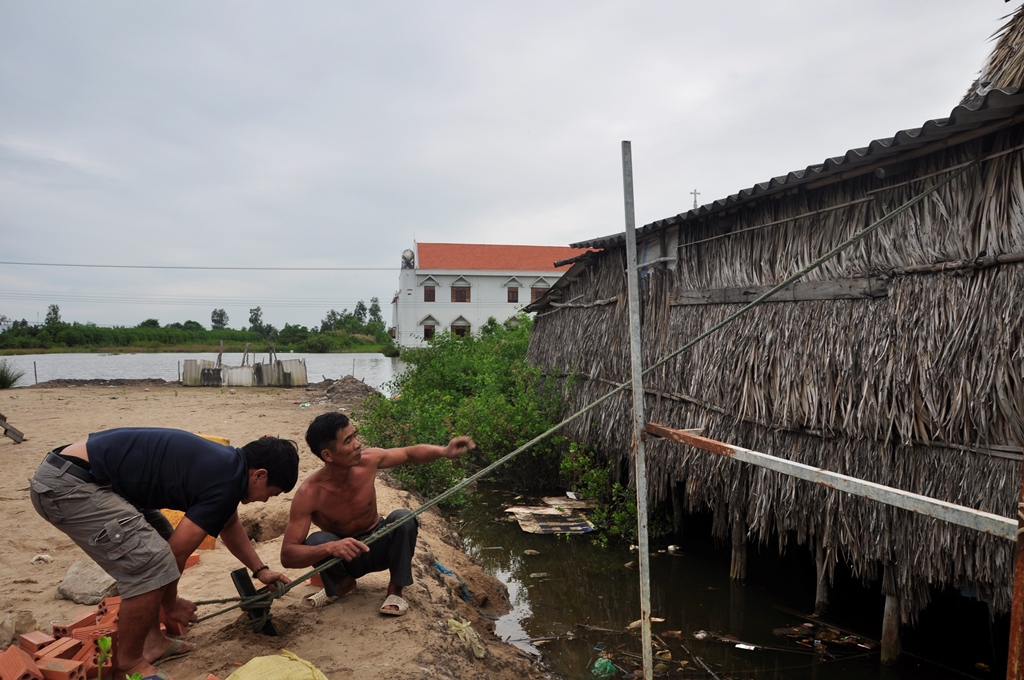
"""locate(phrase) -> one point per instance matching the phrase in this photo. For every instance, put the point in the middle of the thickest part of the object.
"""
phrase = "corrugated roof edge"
(996, 105)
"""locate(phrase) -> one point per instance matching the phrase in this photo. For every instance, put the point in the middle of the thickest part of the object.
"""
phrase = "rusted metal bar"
(1015, 654)
(639, 435)
(985, 522)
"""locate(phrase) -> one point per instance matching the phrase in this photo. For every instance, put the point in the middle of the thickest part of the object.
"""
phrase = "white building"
(458, 286)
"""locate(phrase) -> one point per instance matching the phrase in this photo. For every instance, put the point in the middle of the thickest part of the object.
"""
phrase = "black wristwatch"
(256, 572)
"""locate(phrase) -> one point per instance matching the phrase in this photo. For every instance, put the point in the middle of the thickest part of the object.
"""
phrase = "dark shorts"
(112, 531)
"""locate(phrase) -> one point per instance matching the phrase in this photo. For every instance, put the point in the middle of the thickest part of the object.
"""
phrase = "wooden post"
(677, 509)
(821, 592)
(737, 508)
(738, 564)
(890, 618)
(1015, 654)
(35, 372)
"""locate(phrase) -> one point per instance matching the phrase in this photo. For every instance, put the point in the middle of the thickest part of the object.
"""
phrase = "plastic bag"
(285, 666)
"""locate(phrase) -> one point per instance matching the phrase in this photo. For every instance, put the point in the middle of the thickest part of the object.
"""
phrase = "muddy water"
(574, 600)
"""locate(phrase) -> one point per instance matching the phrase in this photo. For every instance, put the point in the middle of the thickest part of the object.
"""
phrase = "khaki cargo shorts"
(112, 531)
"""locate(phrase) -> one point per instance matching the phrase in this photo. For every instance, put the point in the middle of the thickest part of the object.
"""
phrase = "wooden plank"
(840, 289)
(11, 431)
(985, 522)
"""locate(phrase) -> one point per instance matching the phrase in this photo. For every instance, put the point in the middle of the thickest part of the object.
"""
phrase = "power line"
(169, 300)
(158, 266)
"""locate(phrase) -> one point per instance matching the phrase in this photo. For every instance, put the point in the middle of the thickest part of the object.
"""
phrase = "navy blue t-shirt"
(161, 468)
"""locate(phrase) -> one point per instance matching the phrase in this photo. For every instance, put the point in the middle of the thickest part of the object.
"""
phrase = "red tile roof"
(475, 256)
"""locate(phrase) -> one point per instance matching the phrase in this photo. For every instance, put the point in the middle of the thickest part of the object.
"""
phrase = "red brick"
(211, 676)
(62, 669)
(192, 560)
(86, 618)
(89, 635)
(16, 664)
(63, 648)
(108, 619)
(34, 640)
(87, 655)
(316, 581)
(106, 604)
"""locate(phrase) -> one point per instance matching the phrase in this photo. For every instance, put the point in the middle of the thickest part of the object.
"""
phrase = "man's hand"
(272, 578)
(347, 548)
(458, 446)
(183, 612)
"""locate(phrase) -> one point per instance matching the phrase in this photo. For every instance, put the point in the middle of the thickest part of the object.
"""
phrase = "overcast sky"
(335, 134)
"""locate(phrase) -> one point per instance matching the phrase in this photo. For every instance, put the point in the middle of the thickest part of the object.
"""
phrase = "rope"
(266, 598)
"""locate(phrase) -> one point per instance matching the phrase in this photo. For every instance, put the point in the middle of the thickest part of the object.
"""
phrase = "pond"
(372, 368)
(573, 600)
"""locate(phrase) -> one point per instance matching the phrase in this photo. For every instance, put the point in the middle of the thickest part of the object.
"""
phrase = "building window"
(428, 293)
(513, 294)
(460, 330)
(428, 331)
(460, 293)
(537, 293)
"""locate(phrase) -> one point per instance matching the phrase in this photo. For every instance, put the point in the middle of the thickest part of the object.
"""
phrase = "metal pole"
(639, 434)
(1015, 655)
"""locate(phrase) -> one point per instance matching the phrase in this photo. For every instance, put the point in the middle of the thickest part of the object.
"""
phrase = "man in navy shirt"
(105, 492)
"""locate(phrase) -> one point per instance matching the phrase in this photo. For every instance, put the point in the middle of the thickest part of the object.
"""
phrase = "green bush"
(9, 375)
(480, 386)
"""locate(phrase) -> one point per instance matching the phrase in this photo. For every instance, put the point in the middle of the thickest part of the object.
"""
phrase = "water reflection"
(574, 599)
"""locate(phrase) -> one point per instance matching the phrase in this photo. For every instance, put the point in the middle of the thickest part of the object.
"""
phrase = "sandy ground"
(348, 639)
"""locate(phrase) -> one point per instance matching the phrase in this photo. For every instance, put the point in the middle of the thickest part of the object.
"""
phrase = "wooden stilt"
(737, 606)
(821, 592)
(677, 509)
(738, 565)
(890, 620)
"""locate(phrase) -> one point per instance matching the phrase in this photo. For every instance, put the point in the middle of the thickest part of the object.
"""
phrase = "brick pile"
(72, 650)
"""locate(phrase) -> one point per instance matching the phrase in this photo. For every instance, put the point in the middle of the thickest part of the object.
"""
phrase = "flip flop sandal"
(320, 599)
(396, 601)
(174, 651)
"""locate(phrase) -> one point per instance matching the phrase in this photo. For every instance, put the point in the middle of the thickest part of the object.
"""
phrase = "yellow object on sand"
(174, 516)
(285, 666)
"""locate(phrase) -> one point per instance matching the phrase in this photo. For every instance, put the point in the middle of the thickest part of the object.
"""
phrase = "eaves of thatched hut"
(900, 361)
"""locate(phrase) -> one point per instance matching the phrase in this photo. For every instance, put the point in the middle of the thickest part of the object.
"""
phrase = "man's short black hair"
(279, 457)
(324, 430)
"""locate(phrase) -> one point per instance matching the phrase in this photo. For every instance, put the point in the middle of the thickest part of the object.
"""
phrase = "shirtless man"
(105, 490)
(340, 498)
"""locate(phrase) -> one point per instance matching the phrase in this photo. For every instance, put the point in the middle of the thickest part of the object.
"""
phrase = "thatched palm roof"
(922, 388)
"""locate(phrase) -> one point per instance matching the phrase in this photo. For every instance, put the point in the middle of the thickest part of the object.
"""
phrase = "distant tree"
(52, 316)
(192, 326)
(331, 320)
(219, 320)
(360, 312)
(375, 311)
(4, 320)
(291, 335)
(150, 323)
(256, 320)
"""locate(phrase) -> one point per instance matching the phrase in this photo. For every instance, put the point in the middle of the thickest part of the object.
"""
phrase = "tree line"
(362, 329)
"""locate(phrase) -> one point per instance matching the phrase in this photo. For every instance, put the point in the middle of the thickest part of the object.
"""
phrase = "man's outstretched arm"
(424, 453)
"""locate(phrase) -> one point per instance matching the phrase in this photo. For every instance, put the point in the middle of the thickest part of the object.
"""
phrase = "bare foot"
(167, 649)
